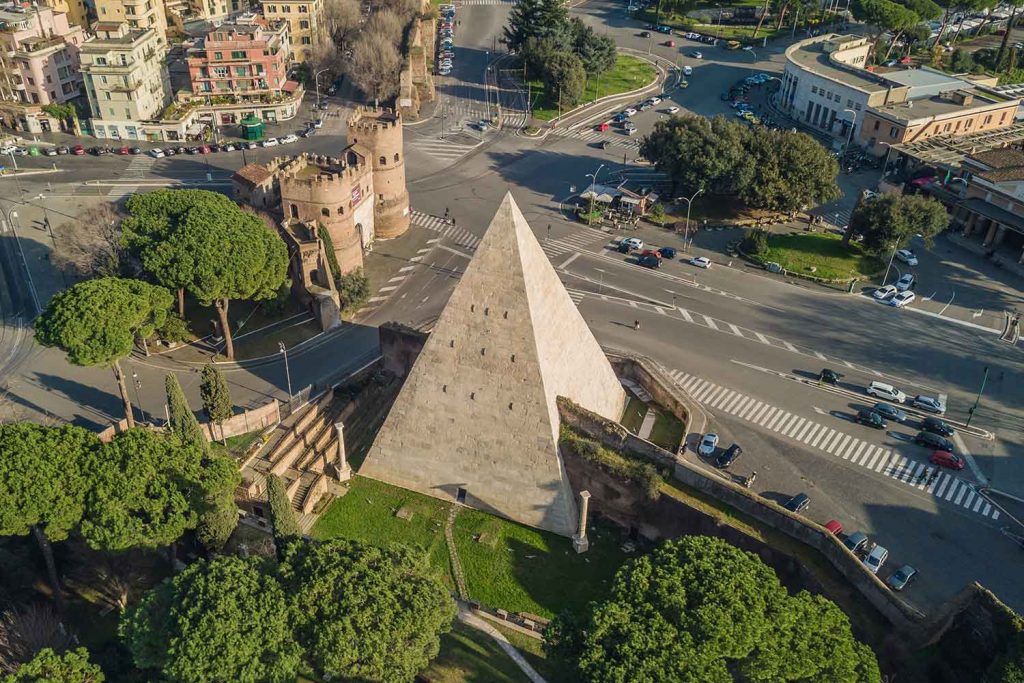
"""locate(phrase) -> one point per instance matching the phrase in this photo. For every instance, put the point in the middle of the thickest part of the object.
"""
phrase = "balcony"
(132, 86)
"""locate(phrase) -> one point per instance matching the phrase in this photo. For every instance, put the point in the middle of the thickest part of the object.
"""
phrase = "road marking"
(761, 338)
(406, 268)
(735, 330)
(810, 435)
(796, 426)
(790, 347)
(570, 260)
(771, 425)
(398, 278)
(388, 289)
(820, 436)
(768, 416)
(751, 409)
(877, 452)
(820, 355)
(800, 436)
(710, 322)
(686, 315)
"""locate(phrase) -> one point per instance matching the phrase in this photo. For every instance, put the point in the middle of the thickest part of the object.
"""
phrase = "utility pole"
(970, 413)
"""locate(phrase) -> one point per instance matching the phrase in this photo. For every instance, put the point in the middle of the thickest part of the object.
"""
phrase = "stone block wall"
(400, 346)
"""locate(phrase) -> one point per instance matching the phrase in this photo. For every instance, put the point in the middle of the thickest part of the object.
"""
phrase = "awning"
(290, 86)
(602, 197)
(629, 200)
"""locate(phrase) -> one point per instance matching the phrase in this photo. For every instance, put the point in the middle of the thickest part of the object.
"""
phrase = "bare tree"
(114, 578)
(385, 23)
(342, 19)
(91, 245)
(26, 631)
(375, 65)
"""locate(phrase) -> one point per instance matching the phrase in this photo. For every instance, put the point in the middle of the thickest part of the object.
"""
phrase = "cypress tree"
(282, 514)
(216, 398)
(183, 422)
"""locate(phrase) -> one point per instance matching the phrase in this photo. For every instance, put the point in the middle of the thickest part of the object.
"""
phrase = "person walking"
(636, 324)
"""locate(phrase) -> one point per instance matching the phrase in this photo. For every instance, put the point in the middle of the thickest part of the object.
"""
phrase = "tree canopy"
(222, 620)
(888, 221)
(214, 391)
(699, 609)
(537, 19)
(596, 52)
(338, 588)
(49, 667)
(282, 514)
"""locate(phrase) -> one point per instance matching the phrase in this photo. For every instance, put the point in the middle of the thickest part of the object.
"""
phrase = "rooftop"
(931, 107)
(949, 151)
(254, 174)
(922, 78)
(810, 55)
(1004, 164)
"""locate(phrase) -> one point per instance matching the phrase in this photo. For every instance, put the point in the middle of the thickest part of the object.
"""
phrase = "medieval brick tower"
(379, 132)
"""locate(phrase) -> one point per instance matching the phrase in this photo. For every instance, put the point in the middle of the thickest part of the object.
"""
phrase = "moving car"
(884, 293)
(603, 126)
(929, 404)
(667, 252)
(708, 444)
(672, 110)
(797, 503)
(935, 441)
(901, 577)
(907, 257)
(696, 54)
(856, 541)
(669, 43)
(905, 282)
(728, 457)
(937, 426)
(890, 412)
(687, 70)
(633, 242)
(947, 459)
(876, 558)
(902, 299)
(649, 261)
(870, 418)
(829, 376)
(645, 34)
(886, 391)
(700, 262)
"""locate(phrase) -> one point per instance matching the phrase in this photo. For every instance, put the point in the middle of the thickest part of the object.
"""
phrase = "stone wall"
(267, 415)
(400, 346)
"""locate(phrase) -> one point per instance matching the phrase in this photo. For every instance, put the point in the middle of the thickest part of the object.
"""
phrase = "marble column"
(579, 540)
(342, 466)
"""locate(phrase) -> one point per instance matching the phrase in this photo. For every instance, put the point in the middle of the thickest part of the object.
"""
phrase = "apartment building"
(75, 9)
(305, 19)
(39, 61)
(138, 14)
(126, 80)
(247, 58)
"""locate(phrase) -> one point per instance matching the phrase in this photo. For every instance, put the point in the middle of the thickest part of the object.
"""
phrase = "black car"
(667, 252)
(890, 412)
(100, 151)
(797, 503)
(136, 150)
(193, 150)
(935, 441)
(624, 247)
(180, 149)
(871, 419)
(214, 147)
(649, 261)
(937, 426)
(728, 456)
(645, 34)
(829, 376)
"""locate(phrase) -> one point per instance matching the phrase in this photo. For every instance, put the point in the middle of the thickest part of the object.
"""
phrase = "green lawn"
(532, 650)
(633, 416)
(629, 73)
(667, 432)
(236, 445)
(471, 656)
(367, 513)
(526, 570)
(824, 251)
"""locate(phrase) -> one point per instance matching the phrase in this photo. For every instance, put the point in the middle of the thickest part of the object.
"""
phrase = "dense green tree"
(182, 421)
(1000, 59)
(218, 513)
(788, 171)
(888, 221)
(699, 153)
(96, 322)
(216, 398)
(699, 609)
(146, 490)
(537, 19)
(282, 514)
(337, 591)
(49, 667)
(219, 620)
(535, 55)
(43, 485)
(354, 289)
(884, 15)
(597, 52)
(564, 79)
(1008, 667)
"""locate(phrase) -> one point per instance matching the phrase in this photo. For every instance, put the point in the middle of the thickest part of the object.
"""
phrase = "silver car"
(708, 444)
(929, 404)
(901, 577)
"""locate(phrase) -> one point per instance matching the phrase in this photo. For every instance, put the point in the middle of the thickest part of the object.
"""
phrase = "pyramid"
(477, 420)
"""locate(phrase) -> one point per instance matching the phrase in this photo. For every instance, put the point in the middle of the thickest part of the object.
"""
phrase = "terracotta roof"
(1006, 163)
(254, 174)
(290, 86)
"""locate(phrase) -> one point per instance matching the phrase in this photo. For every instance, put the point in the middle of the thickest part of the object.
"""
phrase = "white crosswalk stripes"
(574, 242)
(446, 150)
(139, 166)
(878, 458)
(459, 236)
(591, 135)
(467, 3)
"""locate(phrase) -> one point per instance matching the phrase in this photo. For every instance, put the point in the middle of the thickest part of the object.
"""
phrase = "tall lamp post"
(895, 246)
(849, 137)
(970, 413)
(689, 204)
(12, 218)
(287, 373)
(593, 184)
(316, 84)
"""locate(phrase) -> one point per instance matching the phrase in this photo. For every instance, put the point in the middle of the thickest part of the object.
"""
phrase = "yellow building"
(305, 22)
(138, 14)
(75, 9)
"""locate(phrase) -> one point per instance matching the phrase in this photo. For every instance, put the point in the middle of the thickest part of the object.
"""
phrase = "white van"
(887, 392)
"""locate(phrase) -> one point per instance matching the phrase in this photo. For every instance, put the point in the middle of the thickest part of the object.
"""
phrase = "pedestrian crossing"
(881, 459)
(441, 148)
(138, 167)
(460, 236)
(590, 135)
(512, 119)
(577, 241)
(470, 3)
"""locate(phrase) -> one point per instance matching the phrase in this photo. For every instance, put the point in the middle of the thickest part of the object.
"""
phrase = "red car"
(947, 459)
(203, 149)
(834, 527)
(78, 150)
(124, 151)
(651, 252)
(602, 127)
(669, 43)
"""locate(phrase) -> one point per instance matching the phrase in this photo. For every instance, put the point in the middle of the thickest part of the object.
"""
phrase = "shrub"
(756, 242)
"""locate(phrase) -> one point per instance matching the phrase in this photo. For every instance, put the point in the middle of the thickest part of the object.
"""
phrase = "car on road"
(655, 100)
(890, 412)
(633, 242)
(228, 148)
(829, 376)
(834, 527)
(630, 129)
(9, 149)
(901, 577)
(99, 151)
(928, 404)
(204, 149)
(947, 459)
(290, 138)
(669, 43)
(696, 54)
(907, 257)
(934, 441)
(51, 151)
(856, 542)
(645, 106)
(905, 282)
(630, 111)
(620, 117)
(444, 72)
(708, 444)
(156, 153)
(78, 150)
(123, 151)
(870, 418)
(649, 261)
(902, 299)
(876, 558)
(885, 293)
(886, 391)
(193, 150)
(700, 261)
(687, 70)
(319, 123)
(271, 142)
(602, 127)
(664, 29)
(728, 457)
(937, 426)
(667, 252)
(797, 503)
(645, 34)
(672, 110)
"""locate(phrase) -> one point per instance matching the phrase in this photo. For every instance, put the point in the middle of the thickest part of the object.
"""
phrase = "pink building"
(247, 59)
(38, 55)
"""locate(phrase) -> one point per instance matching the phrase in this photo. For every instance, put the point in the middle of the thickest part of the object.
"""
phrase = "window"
(988, 120)
(396, 157)
(304, 24)
(856, 106)
(295, 211)
(1002, 118)
(849, 103)
(303, 9)
(31, 81)
(238, 54)
(306, 41)
(325, 212)
(341, 211)
(383, 161)
(814, 90)
(892, 132)
(876, 123)
(970, 122)
(107, 94)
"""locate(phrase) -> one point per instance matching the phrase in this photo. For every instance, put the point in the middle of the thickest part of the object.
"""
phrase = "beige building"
(75, 9)
(138, 14)
(126, 80)
(305, 21)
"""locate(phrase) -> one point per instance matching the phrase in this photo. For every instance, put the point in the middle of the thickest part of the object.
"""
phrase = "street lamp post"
(891, 257)
(287, 372)
(12, 218)
(46, 219)
(970, 413)
(689, 204)
(316, 84)
(138, 398)
(600, 288)
(849, 137)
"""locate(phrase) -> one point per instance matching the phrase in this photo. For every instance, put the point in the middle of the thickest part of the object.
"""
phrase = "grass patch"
(236, 446)
(631, 469)
(521, 569)
(367, 513)
(667, 431)
(824, 252)
(629, 73)
(532, 650)
(471, 656)
(633, 417)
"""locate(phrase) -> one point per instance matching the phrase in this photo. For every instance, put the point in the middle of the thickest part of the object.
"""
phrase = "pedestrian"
(636, 324)
(446, 213)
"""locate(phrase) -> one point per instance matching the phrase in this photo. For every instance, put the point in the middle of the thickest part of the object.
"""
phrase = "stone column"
(579, 540)
(991, 234)
(342, 467)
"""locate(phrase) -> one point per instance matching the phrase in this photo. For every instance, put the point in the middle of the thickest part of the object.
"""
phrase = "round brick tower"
(380, 132)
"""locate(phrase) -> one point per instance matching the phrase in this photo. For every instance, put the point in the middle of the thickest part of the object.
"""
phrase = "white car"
(902, 299)
(271, 142)
(672, 110)
(319, 123)
(157, 153)
(290, 138)
(700, 262)
(885, 293)
(631, 129)
(8, 149)
(708, 444)
(228, 148)
(444, 72)
(905, 282)
(886, 391)
(633, 243)
(696, 54)
(630, 111)
(876, 558)
(929, 404)
(655, 100)
(907, 257)
(687, 70)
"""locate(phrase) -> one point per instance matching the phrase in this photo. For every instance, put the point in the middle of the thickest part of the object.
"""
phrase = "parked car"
(947, 459)
(708, 444)
(672, 110)
(905, 282)
(78, 150)
(204, 149)
(890, 412)
(63, 149)
(902, 299)
(834, 527)
(901, 577)
(885, 293)
(602, 127)
(630, 111)
(157, 153)
(929, 404)
(228, 148)
(124, 151)
(687, 70)
(645, 34)
(271, 142)
(907, 257)
(829, 376)
(856, 542)
(319, 123)
(876, 558)
(51, 151)
(797, 503)
(667, 252)
(696, 54)
(728, 457)
(886, 391)
(633, 242)
(700, 262)
(654, 100)
(929, 440)
(937, 426)
(99, 151)
(649, 261)
(870, 418)
(290, 138)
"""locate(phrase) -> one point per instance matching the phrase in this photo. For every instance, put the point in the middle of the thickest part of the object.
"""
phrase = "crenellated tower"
(379, 132)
